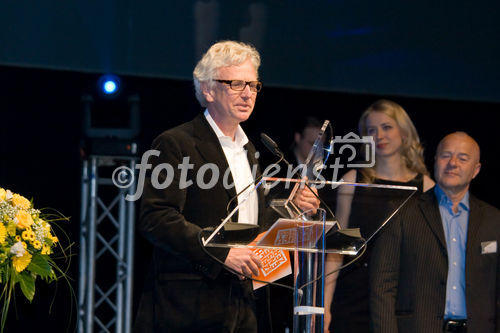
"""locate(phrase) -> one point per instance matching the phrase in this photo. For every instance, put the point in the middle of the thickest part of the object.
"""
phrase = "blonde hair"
(222, 54)
(412, 151)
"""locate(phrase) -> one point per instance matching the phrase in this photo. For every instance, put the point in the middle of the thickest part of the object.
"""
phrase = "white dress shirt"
(236, 157)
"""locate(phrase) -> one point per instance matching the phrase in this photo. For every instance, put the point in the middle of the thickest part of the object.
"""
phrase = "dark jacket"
(186, 289)
(410, 268)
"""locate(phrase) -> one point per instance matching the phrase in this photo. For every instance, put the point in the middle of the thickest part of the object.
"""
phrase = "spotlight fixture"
(109, 85)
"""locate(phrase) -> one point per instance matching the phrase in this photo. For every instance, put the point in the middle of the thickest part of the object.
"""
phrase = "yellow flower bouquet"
(27, 241)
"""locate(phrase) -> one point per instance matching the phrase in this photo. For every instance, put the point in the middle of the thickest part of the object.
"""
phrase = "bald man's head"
(457, 162)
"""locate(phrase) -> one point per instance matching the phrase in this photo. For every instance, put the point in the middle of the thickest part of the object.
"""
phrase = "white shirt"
(236, 157)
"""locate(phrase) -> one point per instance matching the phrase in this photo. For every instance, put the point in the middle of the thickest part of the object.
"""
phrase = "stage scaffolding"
(106, 246)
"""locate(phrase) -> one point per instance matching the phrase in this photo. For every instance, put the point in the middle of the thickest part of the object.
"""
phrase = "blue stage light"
(109, 87)
(109, 84)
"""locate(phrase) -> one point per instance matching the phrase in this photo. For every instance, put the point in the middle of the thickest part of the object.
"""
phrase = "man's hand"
(243, 261)
(306, 200)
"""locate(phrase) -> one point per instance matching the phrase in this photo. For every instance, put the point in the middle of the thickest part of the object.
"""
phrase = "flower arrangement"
(27, 241)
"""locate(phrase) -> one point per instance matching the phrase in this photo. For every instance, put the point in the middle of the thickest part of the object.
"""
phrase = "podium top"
(340, 233)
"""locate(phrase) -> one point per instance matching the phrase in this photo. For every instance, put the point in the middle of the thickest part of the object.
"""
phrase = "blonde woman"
(398, 161)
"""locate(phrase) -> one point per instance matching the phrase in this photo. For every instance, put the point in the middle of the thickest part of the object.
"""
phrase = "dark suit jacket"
(186, 288)
(410, 268)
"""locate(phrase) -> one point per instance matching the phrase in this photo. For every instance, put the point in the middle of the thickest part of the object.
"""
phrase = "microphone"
(273, 147)
(270, 144)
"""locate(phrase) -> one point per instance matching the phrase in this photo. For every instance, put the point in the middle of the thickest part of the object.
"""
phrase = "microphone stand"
(228, 218)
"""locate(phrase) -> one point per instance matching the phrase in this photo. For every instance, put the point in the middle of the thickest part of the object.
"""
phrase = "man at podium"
(207, 163)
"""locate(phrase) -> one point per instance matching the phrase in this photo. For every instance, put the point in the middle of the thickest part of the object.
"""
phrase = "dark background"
(331, 60)
(437, 49)
(40, 140)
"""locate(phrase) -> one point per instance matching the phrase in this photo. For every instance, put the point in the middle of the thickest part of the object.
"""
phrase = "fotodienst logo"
(359, 152)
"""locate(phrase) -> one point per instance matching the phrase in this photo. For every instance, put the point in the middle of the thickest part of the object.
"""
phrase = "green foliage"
(39, 265)
(27, 245)
(27, 283)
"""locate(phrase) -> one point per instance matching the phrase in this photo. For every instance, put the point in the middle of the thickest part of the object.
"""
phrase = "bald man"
(435, 268)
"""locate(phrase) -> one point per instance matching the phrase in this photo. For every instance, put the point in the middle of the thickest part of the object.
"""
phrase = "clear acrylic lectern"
(311, 235)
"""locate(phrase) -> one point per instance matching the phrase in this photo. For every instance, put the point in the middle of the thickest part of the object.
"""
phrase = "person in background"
(305, 134)
(399, 160)
(435, 268)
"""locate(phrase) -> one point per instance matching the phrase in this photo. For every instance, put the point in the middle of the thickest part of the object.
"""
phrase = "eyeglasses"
(240, 85)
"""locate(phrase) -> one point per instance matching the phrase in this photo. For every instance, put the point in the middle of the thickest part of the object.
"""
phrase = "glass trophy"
(310, 169)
